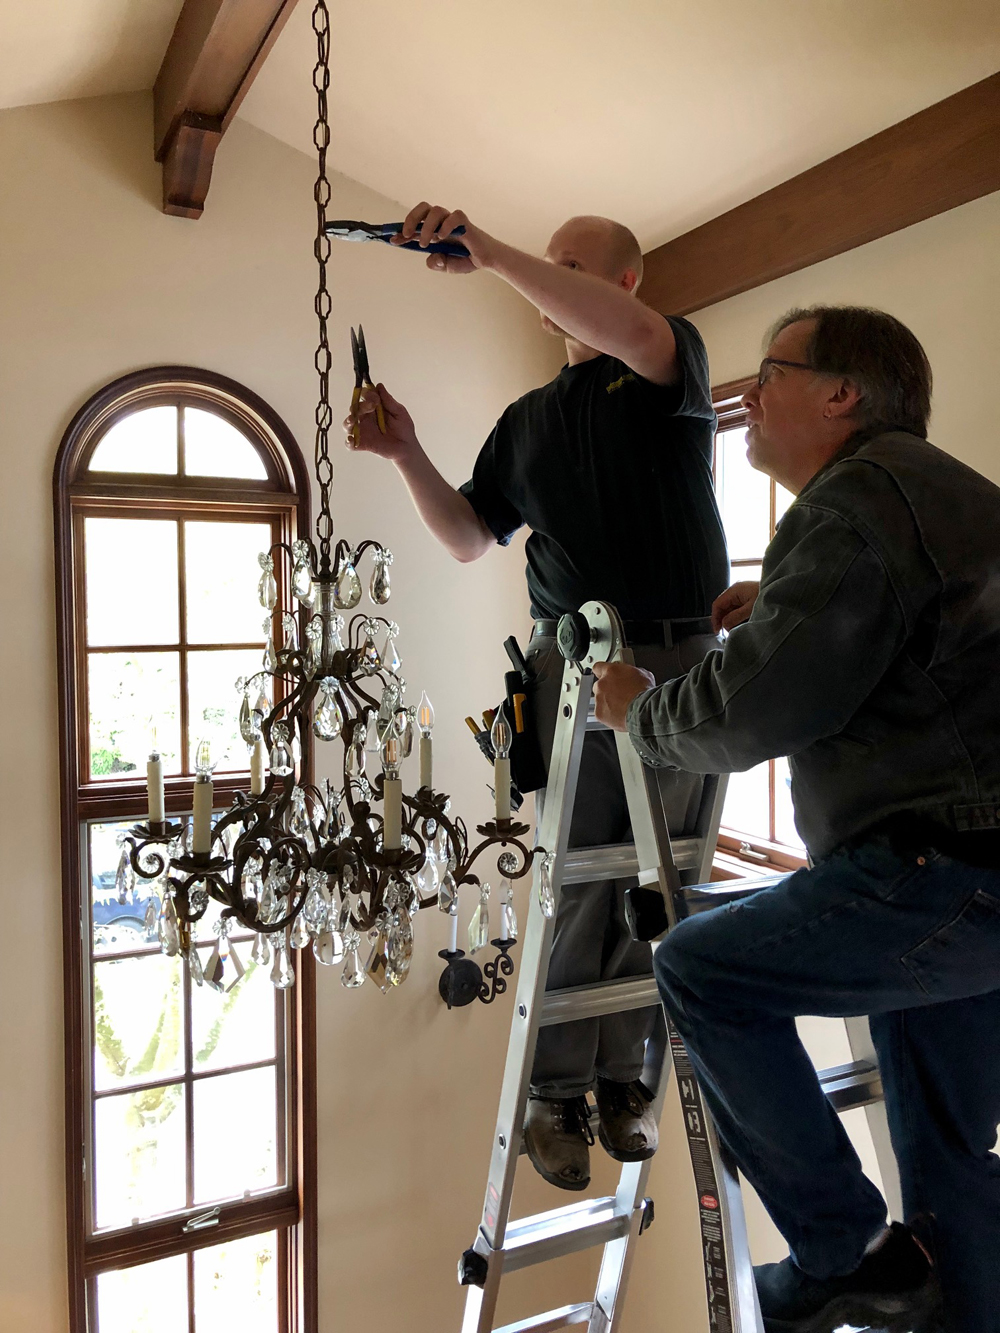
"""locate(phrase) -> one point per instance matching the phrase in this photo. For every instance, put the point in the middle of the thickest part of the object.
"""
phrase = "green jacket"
(871, 657)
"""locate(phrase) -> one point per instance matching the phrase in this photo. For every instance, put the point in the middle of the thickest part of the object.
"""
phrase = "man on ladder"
(870, 656)
(610, 466)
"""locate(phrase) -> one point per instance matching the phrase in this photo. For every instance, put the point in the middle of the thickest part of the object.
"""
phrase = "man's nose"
(751, 398)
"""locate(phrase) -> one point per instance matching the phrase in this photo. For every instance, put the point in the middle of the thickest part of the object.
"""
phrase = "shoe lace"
(575, 1117)
(631, 1097)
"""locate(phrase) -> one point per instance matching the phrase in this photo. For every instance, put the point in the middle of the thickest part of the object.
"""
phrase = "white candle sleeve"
(257, 767)
(392, 833)
(453, 932)
(201, 839)
(154, 785)
(501, 783)
(425, 761)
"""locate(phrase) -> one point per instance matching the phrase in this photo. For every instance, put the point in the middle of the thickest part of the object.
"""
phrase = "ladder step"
(551, 1320)
(605, 997)
(544, 1236)
(619, 861)
(703, 897)
(851, 1085)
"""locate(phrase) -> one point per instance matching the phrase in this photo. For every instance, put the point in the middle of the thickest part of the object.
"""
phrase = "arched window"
(190, 1113)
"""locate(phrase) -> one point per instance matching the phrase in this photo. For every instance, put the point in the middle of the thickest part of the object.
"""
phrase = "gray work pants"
(592, 941)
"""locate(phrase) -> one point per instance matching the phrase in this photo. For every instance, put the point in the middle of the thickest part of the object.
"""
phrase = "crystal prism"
(261, 951)
(399, 949)
(347, 590)
(298, 819)
(390, 658)
(546, 898)
(328, 948)
(302, 584)
(282, 972)
(448, 893)
(253, 881)
(329, 720)
(508, 917)
(353, 973)
(249, 722)
(194, 965)
(299, 935)
(314, 645)
(270, 656)
(290, 632)
(370, 659)
(479, 926)
(152, 913)
(170, 936)
(124, 877)
(379, 589)
(267, 589)
(281, 761)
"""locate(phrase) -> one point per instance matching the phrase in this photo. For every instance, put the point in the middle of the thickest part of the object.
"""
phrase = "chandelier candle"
(201, 837)
(154, 787)
(501, 737)
(258, 759)
(425, 721)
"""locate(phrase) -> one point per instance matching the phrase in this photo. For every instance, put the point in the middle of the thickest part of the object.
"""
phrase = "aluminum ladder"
(680, 869)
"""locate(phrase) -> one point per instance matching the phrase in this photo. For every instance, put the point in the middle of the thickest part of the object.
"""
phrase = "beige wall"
(95, 282)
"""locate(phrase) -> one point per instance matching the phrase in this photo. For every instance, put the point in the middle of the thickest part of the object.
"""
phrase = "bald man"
(610, 466)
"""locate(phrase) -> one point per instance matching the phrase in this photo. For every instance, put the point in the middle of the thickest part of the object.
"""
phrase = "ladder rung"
(534, 1240)
(605, 997)
(703, 897)
(551, 1320)
(619, 861)
(851, 1085)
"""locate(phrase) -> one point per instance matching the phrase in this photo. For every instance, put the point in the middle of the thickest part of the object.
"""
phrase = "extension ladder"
(680, 869)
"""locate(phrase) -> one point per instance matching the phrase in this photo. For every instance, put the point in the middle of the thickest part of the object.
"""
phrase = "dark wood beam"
(931, 162)
(213, 57)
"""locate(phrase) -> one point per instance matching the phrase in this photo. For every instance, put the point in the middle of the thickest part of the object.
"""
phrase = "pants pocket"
(962, 957)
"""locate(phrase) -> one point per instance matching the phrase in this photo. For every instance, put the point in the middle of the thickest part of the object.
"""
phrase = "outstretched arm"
(446, 513)
(590, 309)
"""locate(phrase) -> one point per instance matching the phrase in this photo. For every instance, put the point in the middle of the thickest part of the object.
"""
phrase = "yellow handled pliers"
(363, 379)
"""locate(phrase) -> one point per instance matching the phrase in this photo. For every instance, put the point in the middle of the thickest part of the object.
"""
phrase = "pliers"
(363, 379)
(384, 231)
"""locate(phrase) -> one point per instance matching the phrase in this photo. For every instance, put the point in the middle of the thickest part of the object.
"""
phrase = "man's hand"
(617, 685)
(438, 225)
(361, 427)
(733, 607)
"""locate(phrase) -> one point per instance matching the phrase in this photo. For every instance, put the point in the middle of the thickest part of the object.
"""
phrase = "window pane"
(138, 1020)
(784, 819)
(744, 497)
(143, 441)
(139, 1155)
(747, 801)
(236, 1286)
(116, 926)
(131, 568)
(130, 695)
(150, 1298)
(741, 573)
(222, 578)
(238, 1026)
(782, 499)
(244, 1158)
(214, 448)
(214, 704)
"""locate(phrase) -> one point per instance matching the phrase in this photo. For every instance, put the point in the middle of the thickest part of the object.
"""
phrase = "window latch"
(209, 1219)
(748, 853)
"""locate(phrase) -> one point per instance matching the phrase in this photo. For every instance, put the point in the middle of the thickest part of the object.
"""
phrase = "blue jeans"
(912, 940)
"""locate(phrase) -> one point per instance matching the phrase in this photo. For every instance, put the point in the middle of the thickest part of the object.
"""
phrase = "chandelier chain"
(321, 249)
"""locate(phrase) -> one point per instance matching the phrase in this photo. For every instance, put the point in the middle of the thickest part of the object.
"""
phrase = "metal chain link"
(321, 249)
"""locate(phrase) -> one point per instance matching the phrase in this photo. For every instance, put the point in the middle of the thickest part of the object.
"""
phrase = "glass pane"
(244, 1158)
(131, 568)
(784, 818)
(744, 497)
(214, 704)
(236, 1027)
(116, 926)
(747, 803)
(131, 694)
(222, 577)
(236, 1286)
(150, 1298)
(214, 448)
(144, 441)
(139, 1155)
(782, 499)
(138, 1020)
(741, 573)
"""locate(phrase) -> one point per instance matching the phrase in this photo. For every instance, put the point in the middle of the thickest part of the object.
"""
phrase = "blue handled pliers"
(383, 231)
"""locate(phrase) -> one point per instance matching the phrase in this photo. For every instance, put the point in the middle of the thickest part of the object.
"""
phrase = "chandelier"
(327, 866)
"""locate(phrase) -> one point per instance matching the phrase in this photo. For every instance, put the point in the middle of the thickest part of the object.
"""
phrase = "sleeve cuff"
(636, 718)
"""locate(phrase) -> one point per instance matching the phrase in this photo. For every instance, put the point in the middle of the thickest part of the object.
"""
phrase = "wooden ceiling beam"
(933, 161)
(213, 57)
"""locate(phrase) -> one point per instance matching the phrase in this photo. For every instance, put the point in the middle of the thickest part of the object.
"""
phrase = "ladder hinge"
(648, 1215)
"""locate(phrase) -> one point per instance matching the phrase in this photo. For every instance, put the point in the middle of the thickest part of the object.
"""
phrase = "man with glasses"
(869, 654)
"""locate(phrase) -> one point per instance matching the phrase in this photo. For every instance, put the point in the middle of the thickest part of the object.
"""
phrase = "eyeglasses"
(764, 373)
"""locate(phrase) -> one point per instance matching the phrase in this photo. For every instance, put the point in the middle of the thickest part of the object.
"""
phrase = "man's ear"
(843, 401)
(629, 280)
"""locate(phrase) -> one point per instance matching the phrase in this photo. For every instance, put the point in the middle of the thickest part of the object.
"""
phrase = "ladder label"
(709, 1207)
(492, 1204)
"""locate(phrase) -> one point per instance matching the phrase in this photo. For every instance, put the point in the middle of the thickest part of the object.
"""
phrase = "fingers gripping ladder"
(680, 870)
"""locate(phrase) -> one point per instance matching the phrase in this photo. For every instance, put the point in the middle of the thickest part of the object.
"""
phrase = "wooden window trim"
(766, 854)
(291, 1211)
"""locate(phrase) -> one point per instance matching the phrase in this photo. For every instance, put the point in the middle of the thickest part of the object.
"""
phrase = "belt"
(645, 633)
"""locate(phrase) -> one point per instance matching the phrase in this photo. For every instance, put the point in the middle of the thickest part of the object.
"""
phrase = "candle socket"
(158, 827)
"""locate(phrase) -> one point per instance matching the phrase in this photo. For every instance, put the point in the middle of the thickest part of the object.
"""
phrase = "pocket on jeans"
(962, 957)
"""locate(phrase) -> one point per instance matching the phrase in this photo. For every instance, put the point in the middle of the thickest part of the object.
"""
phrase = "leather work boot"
(628, 1130)
(557, 1136)
(892, 1289)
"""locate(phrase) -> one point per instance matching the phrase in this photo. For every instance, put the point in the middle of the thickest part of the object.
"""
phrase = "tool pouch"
(527, 768)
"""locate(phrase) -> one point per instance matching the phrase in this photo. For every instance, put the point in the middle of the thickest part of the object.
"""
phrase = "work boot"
(628, 1130)
(557, 1136)
(892, 1289)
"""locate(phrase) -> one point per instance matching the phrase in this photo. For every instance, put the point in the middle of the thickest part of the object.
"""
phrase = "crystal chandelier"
(298, 864)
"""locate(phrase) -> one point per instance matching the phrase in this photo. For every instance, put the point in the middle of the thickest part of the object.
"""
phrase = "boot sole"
(574, 1186)
(641, 1155)
(913, 1312)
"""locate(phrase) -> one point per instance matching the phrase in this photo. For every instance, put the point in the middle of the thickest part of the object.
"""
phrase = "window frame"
(283, 498)
(737, 848)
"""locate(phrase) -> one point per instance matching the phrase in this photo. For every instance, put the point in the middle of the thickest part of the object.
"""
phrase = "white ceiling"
(658, 112)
